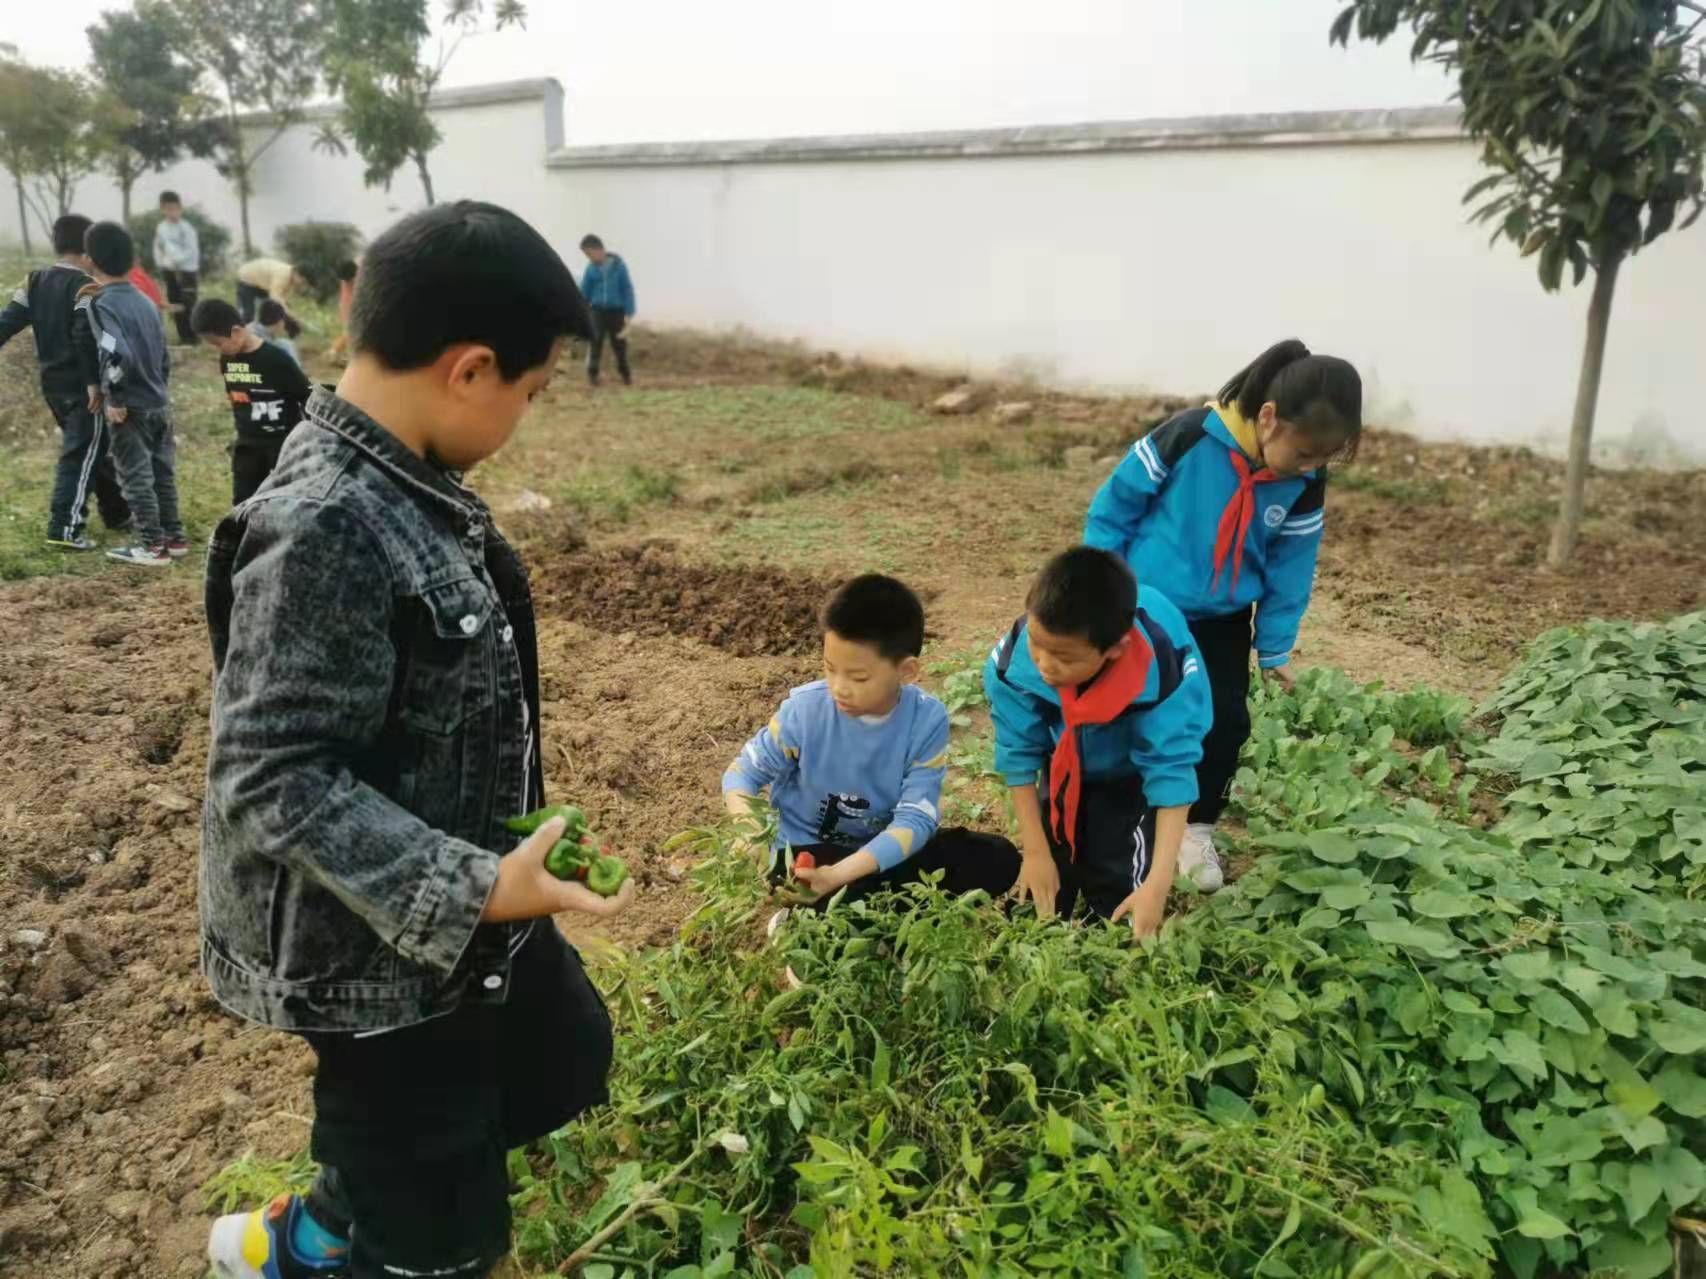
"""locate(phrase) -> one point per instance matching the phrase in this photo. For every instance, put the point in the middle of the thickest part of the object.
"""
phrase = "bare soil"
(122, 1085)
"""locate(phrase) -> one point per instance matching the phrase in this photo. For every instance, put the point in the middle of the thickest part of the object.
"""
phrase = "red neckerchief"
(1116, 687)
(1235, 519)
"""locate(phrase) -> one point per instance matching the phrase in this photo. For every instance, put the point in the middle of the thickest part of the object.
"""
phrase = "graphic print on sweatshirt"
(267, 388)
(847, 820)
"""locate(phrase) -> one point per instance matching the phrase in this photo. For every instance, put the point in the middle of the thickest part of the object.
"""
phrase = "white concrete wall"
(1166, 270)
(1159, 261)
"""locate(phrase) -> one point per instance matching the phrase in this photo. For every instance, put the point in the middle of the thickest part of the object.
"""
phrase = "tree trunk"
(243, 203)
(125, 183)
(426, 177)
(23, 216)
(1569, 525)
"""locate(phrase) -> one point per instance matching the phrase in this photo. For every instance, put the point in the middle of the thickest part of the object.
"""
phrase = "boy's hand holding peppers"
(553, 871)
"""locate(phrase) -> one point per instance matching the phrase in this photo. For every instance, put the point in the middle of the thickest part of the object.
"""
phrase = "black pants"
(85, 467)
(252, 460)
(181, 293)
(413, 1127)
(967, 860)
(1225, 644)
(1116, 847)
(249, 299)
(608, 323)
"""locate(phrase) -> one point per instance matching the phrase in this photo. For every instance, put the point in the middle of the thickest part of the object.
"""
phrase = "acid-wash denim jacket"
(375, 715)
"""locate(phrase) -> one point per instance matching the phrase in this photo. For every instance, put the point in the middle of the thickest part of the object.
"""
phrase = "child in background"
(47, 302)
(375, 721)
(268, 392)
(347, 271)
(261, 278)
(1221, 508)
(1098, 693)
(177, 256)
(270, 327)
(854, 762)
(609, 291)
(123, 346)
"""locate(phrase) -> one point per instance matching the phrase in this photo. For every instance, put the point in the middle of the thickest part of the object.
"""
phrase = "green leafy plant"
(317, 249)
(1603, 738)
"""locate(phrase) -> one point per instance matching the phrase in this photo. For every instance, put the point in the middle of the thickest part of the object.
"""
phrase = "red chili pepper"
(804, 861)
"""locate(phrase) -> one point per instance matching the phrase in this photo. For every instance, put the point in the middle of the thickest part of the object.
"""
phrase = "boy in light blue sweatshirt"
(854, 762)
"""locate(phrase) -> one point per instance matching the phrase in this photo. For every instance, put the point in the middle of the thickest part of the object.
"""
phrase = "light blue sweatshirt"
(852, 781)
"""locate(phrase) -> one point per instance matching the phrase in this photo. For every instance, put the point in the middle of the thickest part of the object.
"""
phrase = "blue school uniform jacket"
(1162, 505)
(1159, 739)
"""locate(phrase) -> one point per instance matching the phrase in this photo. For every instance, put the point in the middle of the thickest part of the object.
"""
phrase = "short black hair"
(1319, 394)
(69, 233)
(110, 248)
(170, 197)
(1085, 592)
(591, 242)
(464, 272)
(878, 611)
(215, 318)
(270, 312)
(348, 270)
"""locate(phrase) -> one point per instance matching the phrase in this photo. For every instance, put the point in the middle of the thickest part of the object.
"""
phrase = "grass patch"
(1405, 492)
(766, 414)
(249, 1182)
(615, 498)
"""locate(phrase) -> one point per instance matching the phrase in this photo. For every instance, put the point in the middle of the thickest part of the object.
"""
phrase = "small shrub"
(316, 249)
(215, 240)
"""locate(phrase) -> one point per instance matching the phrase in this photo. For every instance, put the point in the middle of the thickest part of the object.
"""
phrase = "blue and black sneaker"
(280, 1241)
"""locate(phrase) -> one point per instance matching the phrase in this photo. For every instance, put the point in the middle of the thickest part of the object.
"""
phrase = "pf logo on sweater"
(1274, 516)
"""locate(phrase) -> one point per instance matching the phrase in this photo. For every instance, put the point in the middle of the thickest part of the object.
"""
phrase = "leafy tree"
(54, 130)
(377, 57)
(154, 114)
(19, 129)
(259, 55)
(1591, 115)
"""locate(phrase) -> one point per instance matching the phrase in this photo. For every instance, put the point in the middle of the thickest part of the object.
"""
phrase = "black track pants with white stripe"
(85, 470)
(1116, 847)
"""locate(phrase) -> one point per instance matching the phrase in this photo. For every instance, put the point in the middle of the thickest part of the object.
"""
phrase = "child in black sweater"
(267, 389)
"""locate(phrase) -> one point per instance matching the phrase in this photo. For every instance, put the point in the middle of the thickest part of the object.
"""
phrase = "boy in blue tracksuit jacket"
(1221, 508)
(1099, 698)
(609, 293)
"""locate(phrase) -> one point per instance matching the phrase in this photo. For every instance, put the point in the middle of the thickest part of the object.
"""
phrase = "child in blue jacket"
(609, 293)
(1098, 696)
(1221, 508)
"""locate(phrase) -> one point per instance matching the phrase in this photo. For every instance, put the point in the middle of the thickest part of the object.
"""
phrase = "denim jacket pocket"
(450, 661)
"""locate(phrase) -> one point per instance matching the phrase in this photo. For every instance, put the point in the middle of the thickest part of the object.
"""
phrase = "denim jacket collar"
(424, 478)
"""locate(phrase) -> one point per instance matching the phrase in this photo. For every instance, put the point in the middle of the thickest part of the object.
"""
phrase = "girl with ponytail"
(1222, 509)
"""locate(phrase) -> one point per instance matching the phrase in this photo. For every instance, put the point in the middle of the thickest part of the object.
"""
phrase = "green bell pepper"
(574, 820)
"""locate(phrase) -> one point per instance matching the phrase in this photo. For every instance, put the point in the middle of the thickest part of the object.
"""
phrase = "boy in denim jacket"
(375, 721)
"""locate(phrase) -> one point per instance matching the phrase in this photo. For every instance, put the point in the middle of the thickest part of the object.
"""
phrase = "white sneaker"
(146, 556)
(1198, 860)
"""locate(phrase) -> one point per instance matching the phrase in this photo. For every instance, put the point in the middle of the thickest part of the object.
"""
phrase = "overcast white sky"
(654, 70)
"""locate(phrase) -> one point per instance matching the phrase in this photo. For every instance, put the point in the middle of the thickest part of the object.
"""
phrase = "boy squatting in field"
(46, 302)
(1222, 509)
(1100, 707)
(854, 762)
(375, 721)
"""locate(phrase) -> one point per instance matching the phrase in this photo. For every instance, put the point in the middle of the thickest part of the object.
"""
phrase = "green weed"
(248, 1182)
(1406, 492)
